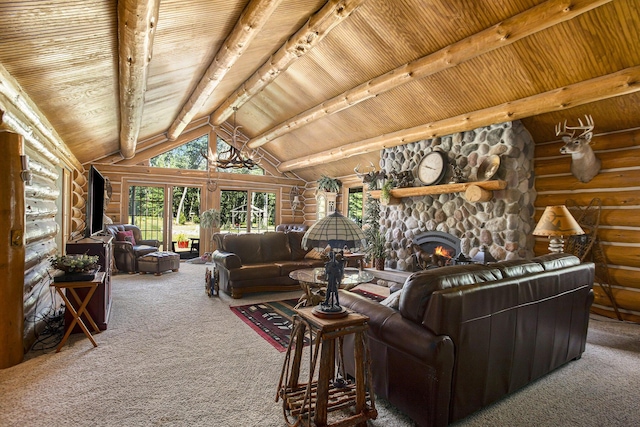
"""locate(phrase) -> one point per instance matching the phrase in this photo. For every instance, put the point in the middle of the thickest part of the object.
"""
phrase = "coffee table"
(314, 283)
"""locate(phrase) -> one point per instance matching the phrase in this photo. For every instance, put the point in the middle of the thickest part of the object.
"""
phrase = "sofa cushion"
(420, 285)
(275, 247)
(126, 236)
(254, 271)
(295, 244)
(556, 261)
(518, 267)
(246, 246)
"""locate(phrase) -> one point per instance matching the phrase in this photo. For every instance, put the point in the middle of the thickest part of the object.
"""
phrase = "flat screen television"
(95, 203)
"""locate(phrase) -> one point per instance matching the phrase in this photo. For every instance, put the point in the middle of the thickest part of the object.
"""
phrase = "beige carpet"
(174, 357)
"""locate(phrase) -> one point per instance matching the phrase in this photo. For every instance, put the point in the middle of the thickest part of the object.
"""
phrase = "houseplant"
(326, 183)
(385, 192)
(210, 219)
(182, 240)
(377, 249)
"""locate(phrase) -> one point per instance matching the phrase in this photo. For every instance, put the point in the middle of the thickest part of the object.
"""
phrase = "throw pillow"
(315, 254)
(393, 300)
(126, 236)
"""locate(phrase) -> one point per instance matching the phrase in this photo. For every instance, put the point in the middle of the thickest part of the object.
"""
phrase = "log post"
(12, 213)
(477, 194)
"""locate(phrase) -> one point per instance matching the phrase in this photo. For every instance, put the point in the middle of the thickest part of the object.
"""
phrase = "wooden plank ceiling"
(320, 86)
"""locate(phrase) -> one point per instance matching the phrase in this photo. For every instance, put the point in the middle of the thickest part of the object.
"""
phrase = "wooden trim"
(253, 18)
(502, 34)
(611, 85)
(298, 45)
(137, 22)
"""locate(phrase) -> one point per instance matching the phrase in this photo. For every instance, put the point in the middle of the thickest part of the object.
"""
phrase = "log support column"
(12, 252)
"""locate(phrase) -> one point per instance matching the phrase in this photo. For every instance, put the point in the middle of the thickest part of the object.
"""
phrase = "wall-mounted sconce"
(26, 173)
(294, 198)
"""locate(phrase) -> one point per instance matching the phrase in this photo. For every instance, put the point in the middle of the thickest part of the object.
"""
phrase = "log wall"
(617, 186)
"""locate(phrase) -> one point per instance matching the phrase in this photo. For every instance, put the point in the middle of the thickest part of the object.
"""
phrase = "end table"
(81, 305)
(310, 403)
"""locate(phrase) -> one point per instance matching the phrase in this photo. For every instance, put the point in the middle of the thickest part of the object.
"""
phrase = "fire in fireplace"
(434, 249)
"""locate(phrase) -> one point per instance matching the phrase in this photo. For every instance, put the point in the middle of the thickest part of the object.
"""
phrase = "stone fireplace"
(502, 224)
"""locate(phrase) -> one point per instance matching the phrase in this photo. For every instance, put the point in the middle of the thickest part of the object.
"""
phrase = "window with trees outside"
(247, 211)
(355, 205)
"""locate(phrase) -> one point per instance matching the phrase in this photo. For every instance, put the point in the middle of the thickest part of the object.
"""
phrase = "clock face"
(432, 168)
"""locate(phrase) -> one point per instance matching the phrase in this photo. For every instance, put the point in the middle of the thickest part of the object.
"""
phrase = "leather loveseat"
(127, 251)
(465, 336)
(260, 262)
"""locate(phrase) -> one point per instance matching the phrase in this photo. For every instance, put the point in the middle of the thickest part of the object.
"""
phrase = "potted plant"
(385, 192)
(210, 219)
(182, 240)
(331, 185)
(377, 249)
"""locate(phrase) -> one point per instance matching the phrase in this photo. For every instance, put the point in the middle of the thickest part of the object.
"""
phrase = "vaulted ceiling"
(319, 85)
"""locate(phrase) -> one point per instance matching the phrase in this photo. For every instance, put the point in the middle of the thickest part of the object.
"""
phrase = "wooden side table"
(80, 309)
(350, 403)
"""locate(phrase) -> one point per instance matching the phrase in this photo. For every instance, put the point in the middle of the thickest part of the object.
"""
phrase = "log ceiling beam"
(137, 20)
(298, 45)
(502, 34)
(21, 115)
(251, 21)
(623, 82)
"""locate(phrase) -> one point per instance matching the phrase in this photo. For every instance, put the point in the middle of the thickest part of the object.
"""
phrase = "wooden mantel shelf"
(485, 188)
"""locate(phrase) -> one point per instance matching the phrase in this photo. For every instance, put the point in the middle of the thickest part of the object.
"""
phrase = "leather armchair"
(125, 254)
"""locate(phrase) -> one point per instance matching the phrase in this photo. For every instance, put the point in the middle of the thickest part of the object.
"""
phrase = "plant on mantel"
(331, 185)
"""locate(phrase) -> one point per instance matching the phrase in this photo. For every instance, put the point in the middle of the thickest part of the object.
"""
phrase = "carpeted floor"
(174, 357)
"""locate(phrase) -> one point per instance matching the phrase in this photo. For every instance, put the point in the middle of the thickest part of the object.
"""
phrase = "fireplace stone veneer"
(503, 224)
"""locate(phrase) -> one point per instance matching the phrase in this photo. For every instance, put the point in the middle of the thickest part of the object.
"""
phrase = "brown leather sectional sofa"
(466, 336)
(260, 262)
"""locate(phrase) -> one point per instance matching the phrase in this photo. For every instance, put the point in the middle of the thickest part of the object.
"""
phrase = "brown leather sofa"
(465, 336)
(126, 254)
(260, 262)
(292, 227)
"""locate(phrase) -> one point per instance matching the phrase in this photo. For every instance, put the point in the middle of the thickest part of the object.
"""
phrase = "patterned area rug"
(272, 320)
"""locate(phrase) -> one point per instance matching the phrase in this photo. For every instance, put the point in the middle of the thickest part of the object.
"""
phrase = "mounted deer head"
(371, 176)
(584, 163)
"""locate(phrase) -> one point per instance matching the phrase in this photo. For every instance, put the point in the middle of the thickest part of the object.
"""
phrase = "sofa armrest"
(122, 246)
(149, 242)
(227, 260)
(389, 326)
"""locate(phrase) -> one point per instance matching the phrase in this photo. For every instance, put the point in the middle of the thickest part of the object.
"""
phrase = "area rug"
(273, 320)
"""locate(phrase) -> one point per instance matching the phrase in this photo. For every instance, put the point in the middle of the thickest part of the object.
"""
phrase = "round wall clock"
(432, 168)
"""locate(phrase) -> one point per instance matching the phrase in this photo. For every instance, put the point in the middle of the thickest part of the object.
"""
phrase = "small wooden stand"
(81, 305)
(349, 403)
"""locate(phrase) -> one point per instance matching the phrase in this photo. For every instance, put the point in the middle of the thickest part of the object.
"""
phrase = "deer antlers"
(586, 134)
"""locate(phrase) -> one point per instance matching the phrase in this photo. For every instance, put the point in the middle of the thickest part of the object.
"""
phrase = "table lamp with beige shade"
(557, 222)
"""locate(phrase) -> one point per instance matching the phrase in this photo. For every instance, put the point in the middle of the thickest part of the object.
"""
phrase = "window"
(355, 205)
(146, 210)
(186, 156)
(247, 211)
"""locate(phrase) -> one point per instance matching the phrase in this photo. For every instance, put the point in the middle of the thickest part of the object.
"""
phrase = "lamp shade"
(557, 221)
(336, 231)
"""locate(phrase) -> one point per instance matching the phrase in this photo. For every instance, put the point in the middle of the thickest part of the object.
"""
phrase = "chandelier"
(234, 157)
